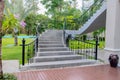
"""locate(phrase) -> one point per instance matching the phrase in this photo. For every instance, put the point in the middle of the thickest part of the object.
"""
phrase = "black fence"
(88, 49)
(29, 50)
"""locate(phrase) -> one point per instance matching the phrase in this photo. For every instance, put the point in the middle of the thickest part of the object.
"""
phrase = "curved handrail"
(31, 42)
(80, 46)
(71, 37)
(32, 48)
(37, 33)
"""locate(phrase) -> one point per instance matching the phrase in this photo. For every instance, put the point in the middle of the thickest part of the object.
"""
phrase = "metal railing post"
(64, 27)
(96, 48)
(37, 44)
(23, 51)
(67, 40)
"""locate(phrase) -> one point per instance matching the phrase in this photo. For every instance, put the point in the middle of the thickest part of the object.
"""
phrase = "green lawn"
(11, 52)
(73, 44)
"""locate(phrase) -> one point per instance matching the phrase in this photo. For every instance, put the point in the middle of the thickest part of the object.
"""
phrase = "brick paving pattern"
(101, 72)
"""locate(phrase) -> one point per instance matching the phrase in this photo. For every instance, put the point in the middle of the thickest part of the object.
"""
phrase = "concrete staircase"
(53, 53)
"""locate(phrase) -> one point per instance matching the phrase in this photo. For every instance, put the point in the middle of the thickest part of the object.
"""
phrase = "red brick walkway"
(102, 72)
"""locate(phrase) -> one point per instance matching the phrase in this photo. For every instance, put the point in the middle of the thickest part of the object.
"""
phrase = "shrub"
(9, 77)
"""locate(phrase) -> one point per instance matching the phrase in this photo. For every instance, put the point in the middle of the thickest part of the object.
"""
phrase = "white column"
(112, 29)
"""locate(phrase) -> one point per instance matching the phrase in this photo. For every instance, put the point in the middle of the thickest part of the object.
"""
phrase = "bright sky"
(42, 9)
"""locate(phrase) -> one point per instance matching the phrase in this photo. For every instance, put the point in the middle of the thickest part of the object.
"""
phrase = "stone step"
(49, 39)
(52, 33)
(56, 58)
(54, 53)
(50, 45)
(49, 35)
(50, 42)
(53, 49)
(58, 64)
(46, 37)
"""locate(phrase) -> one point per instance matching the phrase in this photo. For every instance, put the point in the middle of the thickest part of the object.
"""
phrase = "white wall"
(112, 28)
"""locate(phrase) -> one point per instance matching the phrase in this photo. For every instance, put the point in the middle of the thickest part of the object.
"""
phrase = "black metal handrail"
(31, 42)
(29, 50)
(87, 49)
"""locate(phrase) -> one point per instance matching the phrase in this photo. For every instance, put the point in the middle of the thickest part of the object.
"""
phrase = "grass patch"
(73, 44)
(11, 52)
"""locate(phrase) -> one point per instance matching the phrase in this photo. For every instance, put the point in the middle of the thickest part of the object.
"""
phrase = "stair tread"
(50, 41)
(51, 44)
(61, 62)
(53, 51)
(53, 48)
(58, 56)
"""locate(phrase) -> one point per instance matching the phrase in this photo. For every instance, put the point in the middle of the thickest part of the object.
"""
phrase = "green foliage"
(44, 22)
(9, 77)
(32, 21)
(53, 6)
(60, 9)
(9, 23)
(98, 32)
(21, 7)
(31, 24)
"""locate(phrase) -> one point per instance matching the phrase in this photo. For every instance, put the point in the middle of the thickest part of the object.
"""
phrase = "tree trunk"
(15, 39)
(1, 15)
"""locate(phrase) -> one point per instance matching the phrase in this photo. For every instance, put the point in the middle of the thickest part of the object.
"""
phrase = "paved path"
(100, 72)
(10, 66)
